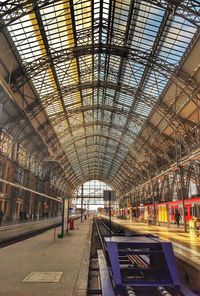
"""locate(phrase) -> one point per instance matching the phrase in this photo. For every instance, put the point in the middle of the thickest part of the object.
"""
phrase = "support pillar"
(182, 187)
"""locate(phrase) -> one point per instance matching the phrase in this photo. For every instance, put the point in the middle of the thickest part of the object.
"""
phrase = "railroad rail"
(10, 234)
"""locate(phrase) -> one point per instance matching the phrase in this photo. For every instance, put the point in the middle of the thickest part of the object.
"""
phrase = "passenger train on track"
(163, 212)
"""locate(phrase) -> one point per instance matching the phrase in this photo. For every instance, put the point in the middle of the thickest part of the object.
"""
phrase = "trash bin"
(71, 224)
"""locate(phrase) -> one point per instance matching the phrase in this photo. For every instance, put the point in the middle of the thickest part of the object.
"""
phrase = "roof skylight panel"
(121, 16)
(96, 11)
(85, 64)
(106, 4)
(148, 18)
(71, 98)
(88, 115)
(76, 119)
(25, 37)
(108, 100)
(135, 128)
(55, 107)
(62, 129)
(80, 131)
(87, 92)
(99, 95)
(67, 73)
(132, 73)
(43, 84)
(83, 15)
(88, 101)
(155, 84)
(119, 119)
(177, 38)
(125, 99)
(143, 109)
(95, 99)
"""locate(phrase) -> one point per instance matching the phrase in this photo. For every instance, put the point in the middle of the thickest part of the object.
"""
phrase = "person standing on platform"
(177, 217)
(1, 216)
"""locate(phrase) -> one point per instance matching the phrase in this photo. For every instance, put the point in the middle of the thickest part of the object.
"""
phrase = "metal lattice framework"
(100, 69)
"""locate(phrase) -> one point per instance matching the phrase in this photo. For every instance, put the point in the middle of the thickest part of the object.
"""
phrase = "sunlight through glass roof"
(99, 69)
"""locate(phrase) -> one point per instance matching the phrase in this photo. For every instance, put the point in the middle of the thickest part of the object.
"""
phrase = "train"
(163, 212)
(23, 230)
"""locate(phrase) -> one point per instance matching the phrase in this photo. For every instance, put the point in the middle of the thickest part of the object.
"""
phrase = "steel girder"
(102, 153)
(108, 137)
(132, 170)
(139, 166)
(79, 138)
(142, 142)
(18, 123)
(149, 100)
(47, 48)
(122, 176)
(12, 10)
(130, 55)
(173, 73)
(189, 171)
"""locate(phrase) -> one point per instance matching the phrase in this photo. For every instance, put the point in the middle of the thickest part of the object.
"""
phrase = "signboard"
(65, 224)
(109, 195)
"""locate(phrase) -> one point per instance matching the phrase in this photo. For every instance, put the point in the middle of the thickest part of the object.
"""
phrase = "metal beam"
(170, 71)
(12, 10)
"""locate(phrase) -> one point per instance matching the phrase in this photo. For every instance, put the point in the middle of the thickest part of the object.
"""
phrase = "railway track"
(12, 234)
(134, 262)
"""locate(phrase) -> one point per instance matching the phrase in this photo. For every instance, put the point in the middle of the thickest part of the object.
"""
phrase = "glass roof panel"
(96, 72)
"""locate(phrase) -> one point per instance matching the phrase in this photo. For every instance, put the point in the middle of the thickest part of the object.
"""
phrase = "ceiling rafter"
(13, 10)
(21, 76)
(102, 72)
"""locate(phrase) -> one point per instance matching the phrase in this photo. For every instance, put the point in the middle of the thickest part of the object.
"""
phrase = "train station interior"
(100, 147)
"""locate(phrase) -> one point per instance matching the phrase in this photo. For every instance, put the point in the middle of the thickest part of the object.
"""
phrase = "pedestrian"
(1, 216)
(177, 217)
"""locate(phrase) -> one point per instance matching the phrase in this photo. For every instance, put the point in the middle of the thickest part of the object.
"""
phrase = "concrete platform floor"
(69, 255)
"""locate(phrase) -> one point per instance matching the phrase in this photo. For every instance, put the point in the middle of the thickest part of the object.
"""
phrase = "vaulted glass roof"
(99, 68)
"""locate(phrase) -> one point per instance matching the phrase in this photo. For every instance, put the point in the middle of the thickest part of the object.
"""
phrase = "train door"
(187, 212)
(172, 212)
(162, 213)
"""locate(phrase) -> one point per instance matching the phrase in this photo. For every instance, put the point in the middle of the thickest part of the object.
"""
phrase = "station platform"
(46, 265)
(186, 247)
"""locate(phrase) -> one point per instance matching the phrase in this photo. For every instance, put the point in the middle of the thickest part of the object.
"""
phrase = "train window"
(192, 211)
(186, 211)
(172, 211)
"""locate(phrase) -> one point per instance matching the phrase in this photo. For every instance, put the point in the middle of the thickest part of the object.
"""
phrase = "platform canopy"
(114, 79)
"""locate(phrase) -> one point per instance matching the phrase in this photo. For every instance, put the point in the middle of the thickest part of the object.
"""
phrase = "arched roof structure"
(109, 85)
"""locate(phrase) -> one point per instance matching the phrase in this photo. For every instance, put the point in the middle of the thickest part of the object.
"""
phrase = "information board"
(65, 217)
(109, 195)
